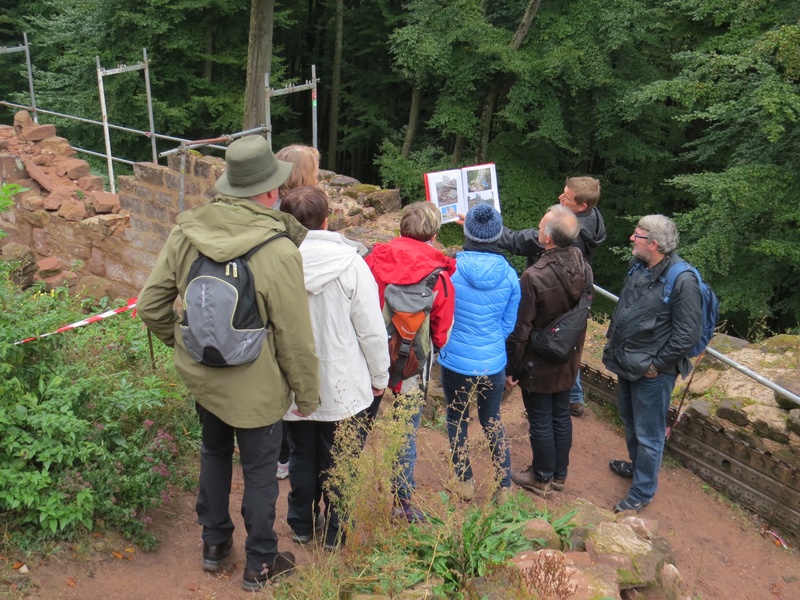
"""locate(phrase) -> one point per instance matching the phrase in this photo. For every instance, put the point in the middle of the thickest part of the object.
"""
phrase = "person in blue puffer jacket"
(473, 360)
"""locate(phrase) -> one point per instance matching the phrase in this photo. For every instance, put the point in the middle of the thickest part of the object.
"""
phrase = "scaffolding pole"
(308, 85)
(24, 47)
(101, 73)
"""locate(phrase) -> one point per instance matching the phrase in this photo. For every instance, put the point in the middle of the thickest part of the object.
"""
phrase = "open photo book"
(455, 191)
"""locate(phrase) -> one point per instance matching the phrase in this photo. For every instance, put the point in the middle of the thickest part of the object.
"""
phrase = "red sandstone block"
(35, 133)
(38, 174)
(150, 173)
(76, 168)
(32, 202)
(57, 197)
(58, 146)
(73, 210)
(49, 266)
(22, 119)
(11, 168)
(90, 183)
(105, 202)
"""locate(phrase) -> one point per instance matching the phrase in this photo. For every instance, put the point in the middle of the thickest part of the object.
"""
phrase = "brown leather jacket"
(550, 287)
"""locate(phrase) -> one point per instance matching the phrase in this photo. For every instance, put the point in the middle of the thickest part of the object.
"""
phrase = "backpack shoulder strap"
(248, 255)
(429, 280)
(672, 274)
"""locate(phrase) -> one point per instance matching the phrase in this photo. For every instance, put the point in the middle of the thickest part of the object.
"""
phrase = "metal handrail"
(728, 361)
(159, 136)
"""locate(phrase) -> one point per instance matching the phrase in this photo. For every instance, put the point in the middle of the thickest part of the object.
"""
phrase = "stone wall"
(66, 230)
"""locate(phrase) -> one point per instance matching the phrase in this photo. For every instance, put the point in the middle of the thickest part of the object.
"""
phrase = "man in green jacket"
(246, 401)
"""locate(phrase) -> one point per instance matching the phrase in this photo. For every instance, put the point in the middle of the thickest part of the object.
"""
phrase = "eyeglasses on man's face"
(640, 237)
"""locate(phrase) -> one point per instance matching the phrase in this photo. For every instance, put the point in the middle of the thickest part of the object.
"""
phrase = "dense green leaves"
(679, 107)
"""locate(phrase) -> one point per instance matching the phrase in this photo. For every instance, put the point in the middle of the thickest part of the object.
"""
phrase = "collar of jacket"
(473, 246)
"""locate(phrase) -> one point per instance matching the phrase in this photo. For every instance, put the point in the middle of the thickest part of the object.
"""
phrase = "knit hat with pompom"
(483, 224)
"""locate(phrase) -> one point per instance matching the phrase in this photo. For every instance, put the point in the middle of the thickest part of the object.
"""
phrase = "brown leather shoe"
(576, 409)
(526, 478)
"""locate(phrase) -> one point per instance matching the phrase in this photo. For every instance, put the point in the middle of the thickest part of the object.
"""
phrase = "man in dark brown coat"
(551, 287)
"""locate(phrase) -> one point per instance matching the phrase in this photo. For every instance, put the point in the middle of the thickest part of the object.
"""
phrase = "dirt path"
(717, 548)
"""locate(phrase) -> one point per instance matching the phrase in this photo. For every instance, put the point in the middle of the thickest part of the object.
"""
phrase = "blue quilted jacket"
(487, 298)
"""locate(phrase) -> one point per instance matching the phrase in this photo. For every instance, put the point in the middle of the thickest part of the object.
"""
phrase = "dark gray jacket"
(645, 330)
(526, 241)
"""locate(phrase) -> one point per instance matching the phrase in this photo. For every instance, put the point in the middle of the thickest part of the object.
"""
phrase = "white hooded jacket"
(349, 331)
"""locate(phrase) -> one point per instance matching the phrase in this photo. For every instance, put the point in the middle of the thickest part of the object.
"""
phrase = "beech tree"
(259, 61)
(740, 90)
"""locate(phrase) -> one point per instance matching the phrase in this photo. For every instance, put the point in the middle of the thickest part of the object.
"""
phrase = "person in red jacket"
(408, 259)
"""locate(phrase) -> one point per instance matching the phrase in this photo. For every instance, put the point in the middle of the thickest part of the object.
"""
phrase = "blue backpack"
(710, 303)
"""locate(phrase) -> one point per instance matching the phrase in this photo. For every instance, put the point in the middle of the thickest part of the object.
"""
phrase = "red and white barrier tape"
(109, 313)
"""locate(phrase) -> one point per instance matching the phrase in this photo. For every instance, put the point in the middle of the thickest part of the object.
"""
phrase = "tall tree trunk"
(458, 150)
(336, 85)
(501, 81)
(413, 120)
(259, 61)
(208, 63)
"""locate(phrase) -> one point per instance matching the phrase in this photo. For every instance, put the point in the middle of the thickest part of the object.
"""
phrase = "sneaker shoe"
(214, 555)
(253, 581)
(463, 489)
(334, 539)
(628, 504)
(403, 509)
(576, 409)
(283, 470)
(501, 495)
(558, 484)
(623, 468)
(525, 478)
(307, 537)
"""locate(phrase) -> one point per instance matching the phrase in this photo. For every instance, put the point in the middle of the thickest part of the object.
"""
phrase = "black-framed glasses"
(641, 237)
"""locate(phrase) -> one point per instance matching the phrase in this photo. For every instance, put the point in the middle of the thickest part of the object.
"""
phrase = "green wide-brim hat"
(251, 169)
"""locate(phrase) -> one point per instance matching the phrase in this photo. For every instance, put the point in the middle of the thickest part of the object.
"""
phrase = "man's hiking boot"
(304, 538)
(334, 539)
(403, 509)
(214, 555)
(525, 478)
(623, 468)
(628, 504)
(576, 409)
(501, 496)
(558, 484)
(254, 581)
(463, 489)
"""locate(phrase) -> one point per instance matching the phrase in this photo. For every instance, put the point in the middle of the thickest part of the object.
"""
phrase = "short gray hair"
(563, 227)
(661, 230)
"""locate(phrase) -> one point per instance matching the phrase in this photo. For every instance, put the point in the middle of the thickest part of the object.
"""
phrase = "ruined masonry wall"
(66, 230)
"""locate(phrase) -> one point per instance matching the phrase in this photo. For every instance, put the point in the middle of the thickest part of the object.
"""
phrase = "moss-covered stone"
(781, 344)
(354, 191)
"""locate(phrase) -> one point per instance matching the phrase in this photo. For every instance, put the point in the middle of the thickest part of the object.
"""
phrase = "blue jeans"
(488, 391)
(576, 393)
(404, 484)
(550, 431)
(643, 408)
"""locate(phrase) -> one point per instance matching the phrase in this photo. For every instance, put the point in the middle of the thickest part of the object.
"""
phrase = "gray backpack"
(221, 326)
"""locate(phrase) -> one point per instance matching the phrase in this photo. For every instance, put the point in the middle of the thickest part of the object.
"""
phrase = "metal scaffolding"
(25, 48)
(308, 85)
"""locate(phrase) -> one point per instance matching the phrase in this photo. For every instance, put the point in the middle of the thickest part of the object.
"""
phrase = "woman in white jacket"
(350, 342)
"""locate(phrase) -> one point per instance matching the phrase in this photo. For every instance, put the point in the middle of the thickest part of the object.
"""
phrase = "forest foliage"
(683, 107)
